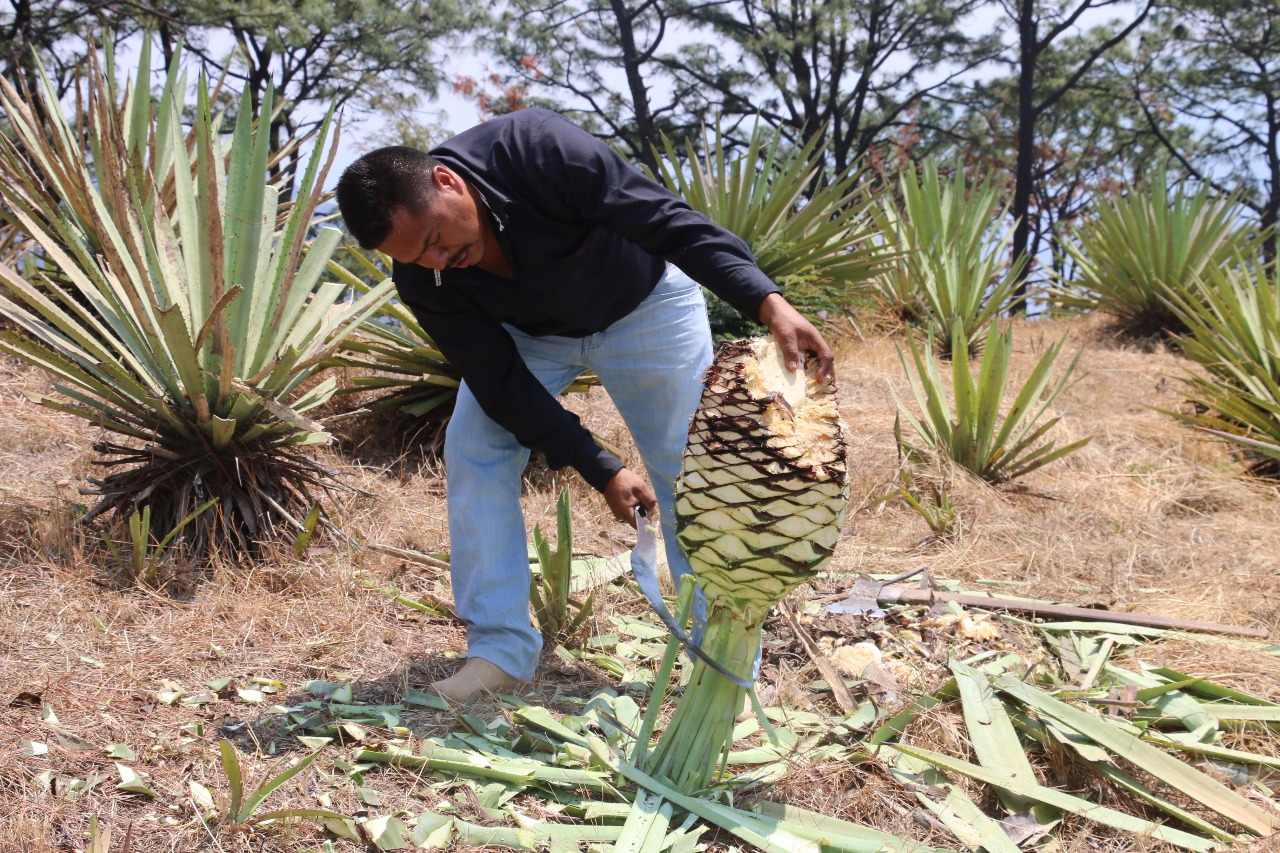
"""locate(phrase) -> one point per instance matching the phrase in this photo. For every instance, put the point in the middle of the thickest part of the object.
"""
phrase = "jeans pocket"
(675, 284)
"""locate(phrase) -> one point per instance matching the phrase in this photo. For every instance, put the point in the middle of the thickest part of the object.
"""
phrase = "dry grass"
(1149, 517)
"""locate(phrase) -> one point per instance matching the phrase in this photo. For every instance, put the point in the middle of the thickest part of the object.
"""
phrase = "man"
(530, 251)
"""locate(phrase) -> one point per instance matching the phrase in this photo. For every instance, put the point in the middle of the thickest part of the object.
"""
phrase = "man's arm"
(594, 182)
(511, 395)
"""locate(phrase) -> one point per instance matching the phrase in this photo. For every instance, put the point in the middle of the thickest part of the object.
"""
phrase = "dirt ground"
(1149, 517)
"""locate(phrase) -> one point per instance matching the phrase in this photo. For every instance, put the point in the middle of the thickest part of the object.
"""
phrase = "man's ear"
(445, 178)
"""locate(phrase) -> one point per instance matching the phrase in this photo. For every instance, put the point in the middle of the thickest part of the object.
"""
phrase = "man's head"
(411, 206)
(379, 183)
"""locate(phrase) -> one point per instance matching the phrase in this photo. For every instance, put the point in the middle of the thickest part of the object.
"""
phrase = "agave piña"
(760, 501)
(181, 307)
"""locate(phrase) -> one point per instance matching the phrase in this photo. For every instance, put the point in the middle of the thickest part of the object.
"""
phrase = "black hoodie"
(587, 237)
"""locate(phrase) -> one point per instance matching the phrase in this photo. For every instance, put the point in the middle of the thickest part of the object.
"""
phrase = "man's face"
(449, 232)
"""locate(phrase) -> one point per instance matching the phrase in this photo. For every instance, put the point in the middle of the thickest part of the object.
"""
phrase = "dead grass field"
(1149, 517)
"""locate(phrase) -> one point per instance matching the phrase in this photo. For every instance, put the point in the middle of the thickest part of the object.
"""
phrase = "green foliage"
(1146, 249)
(99, 838)
(242, 806)
(146, 555)
(317, 54)
(392, 345)
(822, 67)
(601, 63)
(813, 241)
(950, 275)
(933, 504)
(179, 307)
(1232, 318)
(966, 425)
(307, 531)
(1208, 88)
(549, 588)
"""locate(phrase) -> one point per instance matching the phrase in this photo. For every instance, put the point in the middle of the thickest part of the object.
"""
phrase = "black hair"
(378, 183)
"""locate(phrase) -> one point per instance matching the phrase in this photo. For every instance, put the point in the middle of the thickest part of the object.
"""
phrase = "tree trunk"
(647, 134)
(1272, 202)
(1027, 50)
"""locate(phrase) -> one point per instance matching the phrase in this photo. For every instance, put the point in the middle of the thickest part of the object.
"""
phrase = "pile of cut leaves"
(992, 732)
(1045, 706)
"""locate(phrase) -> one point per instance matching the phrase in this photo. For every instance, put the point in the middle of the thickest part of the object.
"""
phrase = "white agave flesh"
(764, 487)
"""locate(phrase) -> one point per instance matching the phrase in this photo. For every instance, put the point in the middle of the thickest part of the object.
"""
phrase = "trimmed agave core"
(764, 485)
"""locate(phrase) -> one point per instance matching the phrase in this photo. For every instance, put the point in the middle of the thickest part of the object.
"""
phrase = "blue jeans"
(651, 362)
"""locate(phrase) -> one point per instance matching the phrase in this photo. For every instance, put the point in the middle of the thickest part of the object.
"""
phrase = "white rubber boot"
(476, 677)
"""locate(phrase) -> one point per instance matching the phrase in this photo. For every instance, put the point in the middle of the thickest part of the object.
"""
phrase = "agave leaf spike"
(247, 213)
(295, 231)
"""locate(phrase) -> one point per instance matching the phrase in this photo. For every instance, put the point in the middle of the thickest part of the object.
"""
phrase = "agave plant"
(1143, 250)
(971, 432)
(1232, 319)
(549, 590)
(813, 240)
(951, 273)
(186, 317)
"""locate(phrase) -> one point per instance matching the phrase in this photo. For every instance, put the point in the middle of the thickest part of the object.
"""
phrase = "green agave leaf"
(235, 781)
(995, 742)
(767, 835)
(1204, 687)
(646, 824)
(1190, 781)
(1060, 799)
(1142, 792)
(251, 208)
(967, 822)
(820, 827)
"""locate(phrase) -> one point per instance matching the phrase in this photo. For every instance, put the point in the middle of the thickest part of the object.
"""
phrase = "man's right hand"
(624, 491)
(795, 334)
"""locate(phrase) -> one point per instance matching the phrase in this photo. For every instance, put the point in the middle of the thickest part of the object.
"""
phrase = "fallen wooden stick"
(406, 554)
(825, 667)
(913, 595)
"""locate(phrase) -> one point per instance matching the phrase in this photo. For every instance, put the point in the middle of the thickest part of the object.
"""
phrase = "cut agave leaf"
(1060, 799)
(1191, 782)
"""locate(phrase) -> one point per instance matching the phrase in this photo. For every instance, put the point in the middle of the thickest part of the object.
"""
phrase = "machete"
(644, 559)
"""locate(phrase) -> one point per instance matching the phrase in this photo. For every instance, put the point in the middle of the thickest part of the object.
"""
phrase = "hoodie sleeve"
(508, 392)
(576, 176)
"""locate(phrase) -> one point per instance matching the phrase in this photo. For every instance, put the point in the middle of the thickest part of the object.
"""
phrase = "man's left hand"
(795, 334)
